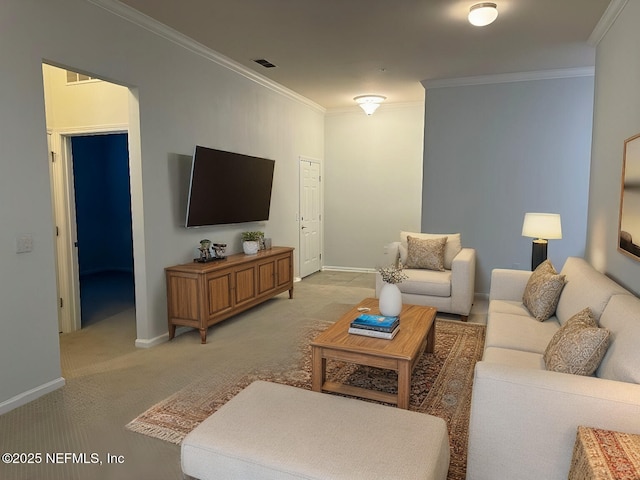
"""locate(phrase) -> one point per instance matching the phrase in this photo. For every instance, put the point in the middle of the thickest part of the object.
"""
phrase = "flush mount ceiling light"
(482, 14)
(369, 103)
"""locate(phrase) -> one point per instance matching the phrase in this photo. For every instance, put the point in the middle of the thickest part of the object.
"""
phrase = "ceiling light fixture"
(482, 14)
(369, 103)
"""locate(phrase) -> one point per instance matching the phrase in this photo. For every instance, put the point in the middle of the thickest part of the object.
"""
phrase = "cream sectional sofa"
(523, 417)
(451, 290)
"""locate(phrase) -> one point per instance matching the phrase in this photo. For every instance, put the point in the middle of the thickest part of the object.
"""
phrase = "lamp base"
(538, 253)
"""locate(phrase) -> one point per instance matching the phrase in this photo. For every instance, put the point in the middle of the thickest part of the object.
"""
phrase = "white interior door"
(65, 233)
(310, 217)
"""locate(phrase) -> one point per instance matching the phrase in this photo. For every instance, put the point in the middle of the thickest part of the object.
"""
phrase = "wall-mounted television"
(228, 187)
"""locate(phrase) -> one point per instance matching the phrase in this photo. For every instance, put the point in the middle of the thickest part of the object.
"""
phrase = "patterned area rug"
(440, 385)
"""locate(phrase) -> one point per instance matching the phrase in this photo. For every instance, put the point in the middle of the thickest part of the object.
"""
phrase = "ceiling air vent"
(265, 63)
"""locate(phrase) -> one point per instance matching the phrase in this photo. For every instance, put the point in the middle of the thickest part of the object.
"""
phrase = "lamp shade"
(482, 14)
(542, 225)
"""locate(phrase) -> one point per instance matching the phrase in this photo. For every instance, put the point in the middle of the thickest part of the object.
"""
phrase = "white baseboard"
(328, 268)
(152, 342)
(31, 395)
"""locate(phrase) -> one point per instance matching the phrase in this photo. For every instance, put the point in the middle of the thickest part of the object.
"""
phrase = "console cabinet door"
(284, 269)
(266, 277)
(245, 283)
(219, 285)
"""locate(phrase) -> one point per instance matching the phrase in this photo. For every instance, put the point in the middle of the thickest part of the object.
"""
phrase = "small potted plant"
(251, 242)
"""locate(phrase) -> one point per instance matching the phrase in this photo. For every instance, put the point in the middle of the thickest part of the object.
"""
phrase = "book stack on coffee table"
(378, 326)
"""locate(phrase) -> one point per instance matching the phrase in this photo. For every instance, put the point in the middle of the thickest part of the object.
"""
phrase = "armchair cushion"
(425, 253)
(426, 282)
(451, 249)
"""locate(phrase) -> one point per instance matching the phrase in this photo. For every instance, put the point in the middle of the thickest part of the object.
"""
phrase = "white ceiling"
(332, 50)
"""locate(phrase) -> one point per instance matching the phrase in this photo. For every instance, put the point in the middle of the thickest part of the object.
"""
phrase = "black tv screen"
(228, 187)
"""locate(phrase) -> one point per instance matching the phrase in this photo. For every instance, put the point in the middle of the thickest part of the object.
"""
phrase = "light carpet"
(440, 385)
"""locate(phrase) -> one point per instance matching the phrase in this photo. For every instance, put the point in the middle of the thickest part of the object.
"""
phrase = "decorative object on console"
(482, 14)
(541, 227)
(208, 251)
(369, 103)
(251, 242)
(390, 298)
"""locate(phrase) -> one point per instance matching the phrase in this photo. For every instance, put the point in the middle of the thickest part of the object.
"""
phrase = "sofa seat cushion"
(622, 319)
(426, 282)
(585, 287)
(517, 332)
(515, 358)
(512, 307)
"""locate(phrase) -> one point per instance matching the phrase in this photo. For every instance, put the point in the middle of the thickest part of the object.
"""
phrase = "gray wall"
(180, 98)
(617, 117)
(495, 151)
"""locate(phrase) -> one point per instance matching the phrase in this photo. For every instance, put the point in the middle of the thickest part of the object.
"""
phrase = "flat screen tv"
(228, 187)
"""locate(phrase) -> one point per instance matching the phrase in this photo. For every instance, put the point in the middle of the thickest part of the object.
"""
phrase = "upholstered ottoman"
(273, 431)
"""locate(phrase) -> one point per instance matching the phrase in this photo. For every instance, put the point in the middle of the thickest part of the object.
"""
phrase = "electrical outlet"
(24, 243)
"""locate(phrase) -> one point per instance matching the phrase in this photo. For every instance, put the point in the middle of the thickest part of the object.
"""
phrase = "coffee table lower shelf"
(352, 391)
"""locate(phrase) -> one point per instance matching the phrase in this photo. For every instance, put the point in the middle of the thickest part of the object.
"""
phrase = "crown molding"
(144, 21)
(606, 21)
(510, 77)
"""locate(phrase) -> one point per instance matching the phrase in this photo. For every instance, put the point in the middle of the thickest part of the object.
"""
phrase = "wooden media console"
(202, 294)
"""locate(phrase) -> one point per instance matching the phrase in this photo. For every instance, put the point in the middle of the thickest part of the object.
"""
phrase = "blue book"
(376, 322)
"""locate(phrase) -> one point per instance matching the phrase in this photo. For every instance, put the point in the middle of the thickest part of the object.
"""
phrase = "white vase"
(390, 300)
(250, 247)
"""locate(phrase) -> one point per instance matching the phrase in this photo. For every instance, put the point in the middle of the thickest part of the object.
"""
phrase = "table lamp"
(541, 227)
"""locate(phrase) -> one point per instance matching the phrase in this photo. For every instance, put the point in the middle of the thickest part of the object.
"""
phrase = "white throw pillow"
(451, 249)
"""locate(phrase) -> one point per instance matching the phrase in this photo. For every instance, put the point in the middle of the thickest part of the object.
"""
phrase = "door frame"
(304, 159)
(65, 227)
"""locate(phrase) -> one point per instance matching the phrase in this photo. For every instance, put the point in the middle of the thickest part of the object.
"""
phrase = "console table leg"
(290, 293)
(172, 331)
(203, 335)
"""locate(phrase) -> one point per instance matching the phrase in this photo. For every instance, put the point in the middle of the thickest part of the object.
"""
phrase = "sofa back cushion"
(585, 287)
(622, 360)
(451, 249)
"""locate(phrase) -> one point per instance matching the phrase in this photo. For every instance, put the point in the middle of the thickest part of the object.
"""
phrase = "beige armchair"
(450, 290)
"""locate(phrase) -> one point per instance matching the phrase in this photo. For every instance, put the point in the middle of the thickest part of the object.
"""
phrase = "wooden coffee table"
(416, 335)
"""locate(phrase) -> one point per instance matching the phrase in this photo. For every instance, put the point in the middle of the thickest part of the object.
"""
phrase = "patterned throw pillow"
(577, 347)
(425, 253)
(542, 293)
(584, 318)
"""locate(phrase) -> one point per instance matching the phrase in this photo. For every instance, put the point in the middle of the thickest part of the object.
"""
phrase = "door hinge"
(53, 156)
(61, 303)
(57, 231)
